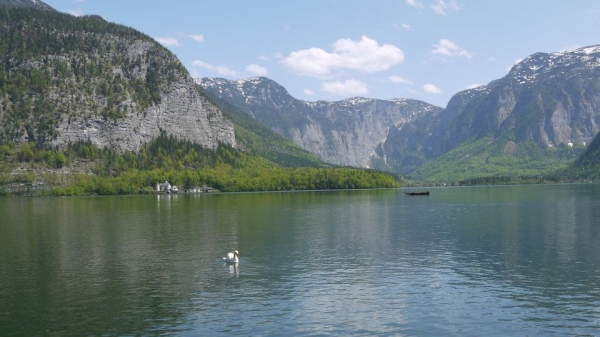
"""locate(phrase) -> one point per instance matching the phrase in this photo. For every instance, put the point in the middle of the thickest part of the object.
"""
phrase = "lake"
(505, 260)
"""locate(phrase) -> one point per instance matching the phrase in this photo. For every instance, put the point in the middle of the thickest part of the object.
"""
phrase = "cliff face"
(181, 113)
(81, 79)
(550, 99)
(346, 132)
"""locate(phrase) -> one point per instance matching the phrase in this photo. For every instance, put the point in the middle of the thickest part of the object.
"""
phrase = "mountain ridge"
(547, 100)
(345, 132)
(84, 79)
(550, 99)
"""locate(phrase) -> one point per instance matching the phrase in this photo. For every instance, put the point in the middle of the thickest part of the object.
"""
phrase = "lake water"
(519, 260)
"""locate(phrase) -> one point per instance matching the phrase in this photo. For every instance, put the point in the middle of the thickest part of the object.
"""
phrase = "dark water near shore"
(519, 260)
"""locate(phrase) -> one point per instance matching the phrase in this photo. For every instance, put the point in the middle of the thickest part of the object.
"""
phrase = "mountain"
(588, 165)
(35, 4)
(66, 79)
(255, 138)
(547, 99)
(344, 133)
(532, 121)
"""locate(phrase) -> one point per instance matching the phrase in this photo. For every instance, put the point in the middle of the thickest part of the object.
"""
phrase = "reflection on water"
(462, 261)
(234, 269)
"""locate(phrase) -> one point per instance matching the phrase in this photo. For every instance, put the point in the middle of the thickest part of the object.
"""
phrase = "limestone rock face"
(85, 79)
(182, 112)
(345, 132)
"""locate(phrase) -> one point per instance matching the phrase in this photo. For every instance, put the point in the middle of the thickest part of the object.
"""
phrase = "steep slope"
(344, 133)
(588, 165)
(65, 79)
(254, 137)
(548, 99)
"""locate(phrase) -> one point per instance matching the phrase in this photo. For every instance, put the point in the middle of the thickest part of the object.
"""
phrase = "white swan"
(232, 257)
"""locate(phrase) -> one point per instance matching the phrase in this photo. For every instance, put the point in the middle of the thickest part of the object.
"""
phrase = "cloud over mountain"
(221, 70)
(350, 87)
(448, 48)
(365, 56)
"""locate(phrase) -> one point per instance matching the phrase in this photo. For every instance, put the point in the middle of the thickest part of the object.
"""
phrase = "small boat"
(417, 193)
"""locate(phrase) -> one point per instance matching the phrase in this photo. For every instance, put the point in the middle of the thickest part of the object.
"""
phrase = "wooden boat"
(417, 193)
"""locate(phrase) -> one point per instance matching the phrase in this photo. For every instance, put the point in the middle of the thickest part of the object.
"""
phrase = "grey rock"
(346, 132)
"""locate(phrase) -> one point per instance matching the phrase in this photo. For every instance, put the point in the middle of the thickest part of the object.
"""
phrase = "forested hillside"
(587, 167)
(90, 107)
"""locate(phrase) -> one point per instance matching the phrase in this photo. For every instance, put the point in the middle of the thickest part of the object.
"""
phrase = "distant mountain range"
(344, 133)
(548, 100)
(70, 79)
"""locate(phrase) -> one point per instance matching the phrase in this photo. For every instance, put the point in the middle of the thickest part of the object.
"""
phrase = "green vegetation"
(492, 161)
(587, 167)
(182, 163)
(260, 140)
(55, 67)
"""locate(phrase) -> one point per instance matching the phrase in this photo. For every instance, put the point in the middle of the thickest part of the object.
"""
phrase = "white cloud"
(168, 41)
(365, 55)
(197, 37)
(404, 26)
(308, 92)
(75, 12)
(449, 48)
(263, 58)
(442, 7)
(347, 88)
(414, 3)
(491, 59)
(398, 79)
(221, 70)
(431, 89)
(257, 70)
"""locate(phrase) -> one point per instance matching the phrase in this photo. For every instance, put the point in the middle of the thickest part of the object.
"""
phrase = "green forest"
(182, 163)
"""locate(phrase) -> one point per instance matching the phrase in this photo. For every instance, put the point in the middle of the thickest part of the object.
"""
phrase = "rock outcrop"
(84, 79)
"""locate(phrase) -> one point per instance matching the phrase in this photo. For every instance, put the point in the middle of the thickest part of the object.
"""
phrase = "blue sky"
(333, 49)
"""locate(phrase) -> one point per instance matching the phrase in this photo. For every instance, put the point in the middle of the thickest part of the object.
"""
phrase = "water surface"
(519, 260)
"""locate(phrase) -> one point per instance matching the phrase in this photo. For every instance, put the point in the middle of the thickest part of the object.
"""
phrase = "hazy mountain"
(345, 132)
(36, 4)
(66, 79)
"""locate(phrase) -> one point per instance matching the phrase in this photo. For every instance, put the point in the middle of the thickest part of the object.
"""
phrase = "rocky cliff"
(65, 79)
(345, 132)
(550, 99)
